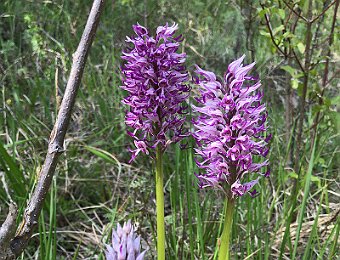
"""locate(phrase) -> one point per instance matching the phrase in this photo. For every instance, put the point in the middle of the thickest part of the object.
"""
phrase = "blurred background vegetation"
(296, 47)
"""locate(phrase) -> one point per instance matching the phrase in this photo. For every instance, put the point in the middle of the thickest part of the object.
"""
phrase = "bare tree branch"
(271, 32)
(295, 12)
(324, 11)
(7, 232)
(56, 141)
(317, 119)
(298, 60)
(308, 50)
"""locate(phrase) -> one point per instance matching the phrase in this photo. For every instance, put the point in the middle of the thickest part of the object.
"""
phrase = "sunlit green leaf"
(264, 33)
(301, 47)
(289, 69)
(278, 29)
(281, 13)
(295, 83)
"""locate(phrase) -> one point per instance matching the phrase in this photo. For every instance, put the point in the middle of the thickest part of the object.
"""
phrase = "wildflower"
(154, 77)
(125, 244)
(230, 130)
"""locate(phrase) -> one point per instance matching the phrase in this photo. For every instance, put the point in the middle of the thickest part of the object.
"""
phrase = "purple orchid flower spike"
(154, 77)
(230, 130)
(125, 244)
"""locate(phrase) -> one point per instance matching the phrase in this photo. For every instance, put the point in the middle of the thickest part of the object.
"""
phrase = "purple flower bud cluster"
(230, 130)
(154, 77)
(125, 244)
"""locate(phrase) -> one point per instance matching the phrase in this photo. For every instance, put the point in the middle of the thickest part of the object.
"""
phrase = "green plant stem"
(226, 234)
(160, 205)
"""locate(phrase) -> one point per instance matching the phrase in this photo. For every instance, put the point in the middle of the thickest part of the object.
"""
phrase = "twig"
(297, 14)
(323, 11)
(289, 16)
(271, 32)
(7, 231)
(56, 141)
(317, 119)
(298, 61)
(335, 75)
(292, 29)
(304, 90)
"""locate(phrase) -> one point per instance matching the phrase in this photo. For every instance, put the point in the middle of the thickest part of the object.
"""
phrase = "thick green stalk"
(226, 234)
(160, 205)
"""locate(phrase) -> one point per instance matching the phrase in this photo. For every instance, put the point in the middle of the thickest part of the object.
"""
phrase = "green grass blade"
(335, 246)
(188, 191)
(306, 254)
(335, 233)
(13, 173)
(305, 197)
(105, 155)
(200, 224)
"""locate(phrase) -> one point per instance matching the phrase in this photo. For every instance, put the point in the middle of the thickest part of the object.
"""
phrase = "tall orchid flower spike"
(154, 76)
(230, 131)
(125, 244)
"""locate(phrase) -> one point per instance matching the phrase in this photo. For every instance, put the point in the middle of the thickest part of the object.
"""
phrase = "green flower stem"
(226, 234)
(160, 205)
